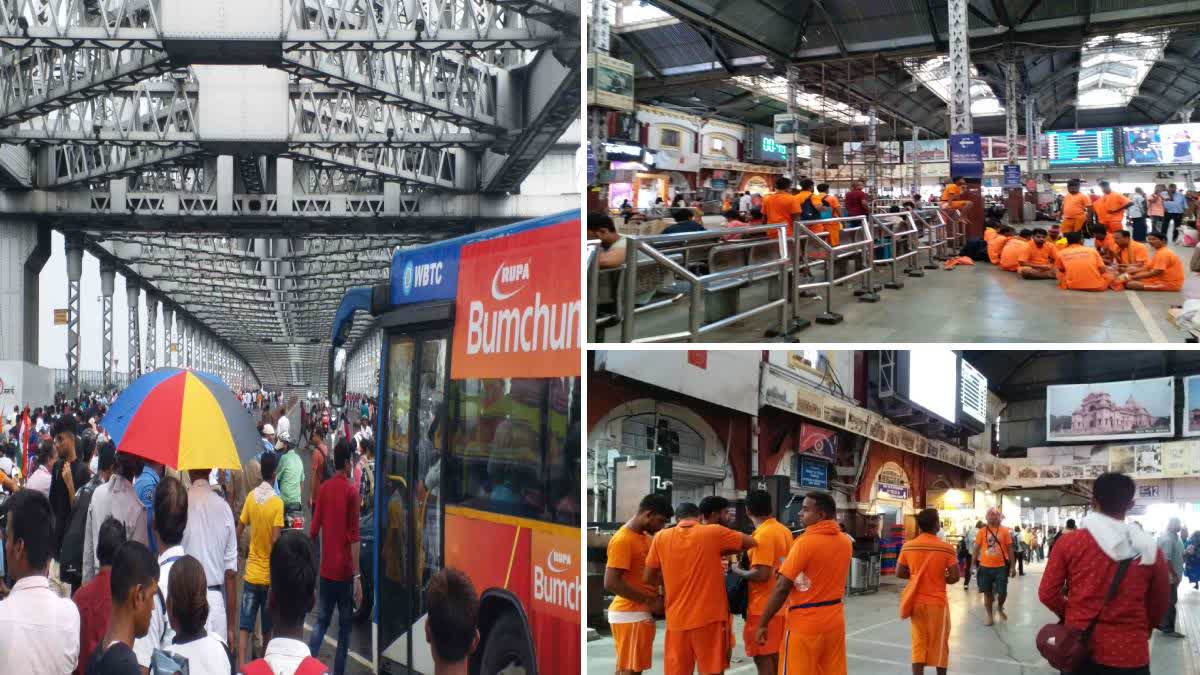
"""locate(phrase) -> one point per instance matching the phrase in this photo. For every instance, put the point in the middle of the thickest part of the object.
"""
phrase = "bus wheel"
(507, 650)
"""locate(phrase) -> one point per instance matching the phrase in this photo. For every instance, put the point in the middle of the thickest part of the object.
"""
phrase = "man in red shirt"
(336, 513)
(1084, 562)
(320, 455)
(857, 201)
(94, 599)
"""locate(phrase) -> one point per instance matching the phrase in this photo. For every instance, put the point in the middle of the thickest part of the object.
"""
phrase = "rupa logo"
(509, 279)
(553, 589)
(558, 562)
(421, 276)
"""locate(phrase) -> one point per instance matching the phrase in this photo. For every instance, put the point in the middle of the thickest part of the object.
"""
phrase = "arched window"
(675, 438)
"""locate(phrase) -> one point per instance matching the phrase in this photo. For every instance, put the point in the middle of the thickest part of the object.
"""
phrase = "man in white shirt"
(290, 599)
(211, 538)
(745, 202)
(170, 518)
(118, 499)
(283, 426)
(39, 631)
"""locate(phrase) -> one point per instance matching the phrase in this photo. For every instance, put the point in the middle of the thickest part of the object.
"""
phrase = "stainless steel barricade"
(812, 249)
(901, 231)
(956, 229)
(720, 283)
(933, 223)
(606, 286)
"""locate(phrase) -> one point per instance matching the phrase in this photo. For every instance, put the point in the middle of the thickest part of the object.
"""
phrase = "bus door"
(409, 511)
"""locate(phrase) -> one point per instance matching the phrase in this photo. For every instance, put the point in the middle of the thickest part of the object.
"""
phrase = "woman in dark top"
(134, 585)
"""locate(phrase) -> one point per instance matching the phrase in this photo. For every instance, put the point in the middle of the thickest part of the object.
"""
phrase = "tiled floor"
(978, 303)
(878, 642)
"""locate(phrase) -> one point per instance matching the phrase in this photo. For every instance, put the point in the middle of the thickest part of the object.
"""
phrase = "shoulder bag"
(1068, 649)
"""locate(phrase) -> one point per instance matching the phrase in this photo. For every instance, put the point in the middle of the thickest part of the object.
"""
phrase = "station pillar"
(133, 295)
(74, 250)
(168, 335)
(108, 278)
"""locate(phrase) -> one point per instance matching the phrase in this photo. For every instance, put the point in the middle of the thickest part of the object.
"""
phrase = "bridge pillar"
(168, 335)
(133, 294)
(151, 332)
(27, 248)
(74, 250)
(108, 277)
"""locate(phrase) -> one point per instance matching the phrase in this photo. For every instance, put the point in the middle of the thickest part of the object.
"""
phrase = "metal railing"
(90, 381)
(935, 238)
(813, 250)
(903, 243)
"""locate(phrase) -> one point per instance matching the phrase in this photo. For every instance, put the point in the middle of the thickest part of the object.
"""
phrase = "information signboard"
(966, 156)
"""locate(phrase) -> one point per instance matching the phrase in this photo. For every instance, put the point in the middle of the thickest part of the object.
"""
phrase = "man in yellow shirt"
(631, 614)
(263, 512)
(1075, 208)
(774, 540)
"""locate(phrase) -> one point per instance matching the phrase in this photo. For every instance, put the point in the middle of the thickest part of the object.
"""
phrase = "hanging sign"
(814, 473)
(1012, 176)
(966, 156)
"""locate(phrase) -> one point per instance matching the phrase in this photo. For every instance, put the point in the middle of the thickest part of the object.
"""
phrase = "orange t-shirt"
(1081, 269)
(779, 207)
(1136, 253)
(834, 204)
(1075, 205)
(1112, 200)
(1107, 244)
(936, 556)
(1011, 254)
(822, 556)
(995, 246)
(773, 541)
(989, 233)
(1166, 260)
(1033, 254)
(627, 552)
(951, 193)
(991, 542)
(693, 573)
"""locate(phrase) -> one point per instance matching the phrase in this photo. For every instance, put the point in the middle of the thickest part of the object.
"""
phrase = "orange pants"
(775, 629)
(1148, 285)
(931, 635)
(1072, 224)
(704, 649)
(814, 653)
(635, 643)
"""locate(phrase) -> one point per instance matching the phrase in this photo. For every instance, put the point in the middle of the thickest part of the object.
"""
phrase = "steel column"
(74, 250)
(191, 338)
(1010, 107)
(108, 277)
(1031, 137)
(960, 68)
(873, 141)
(793, 89)
(132, 295)
(916, 161)
(151, 332)
(168, 335)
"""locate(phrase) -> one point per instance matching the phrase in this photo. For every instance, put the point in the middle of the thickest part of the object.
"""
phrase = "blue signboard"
(966, 156)
(813, 473)
(1012, 176)
(422, 275)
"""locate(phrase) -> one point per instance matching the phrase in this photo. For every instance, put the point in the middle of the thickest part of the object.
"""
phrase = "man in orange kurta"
(1131, 255)
(952, 194)
(686, 561)
(1105, 246)
(1081, 268)
(631, 613)
(1165, 272)
(822, 199)
(1110, 208)
(811, 581)
(773, 541)
(1037, 260)
(780, 206)
(929, 564)
(996, 245)
(1010, 255)
(1074, 208)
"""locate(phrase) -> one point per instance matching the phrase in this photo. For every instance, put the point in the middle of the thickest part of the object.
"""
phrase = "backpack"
(71, 551)
(326, 466)
(808, 211)
(309, 666)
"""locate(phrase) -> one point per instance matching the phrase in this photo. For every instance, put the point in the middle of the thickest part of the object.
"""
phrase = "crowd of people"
(795, 585)
(113, 564)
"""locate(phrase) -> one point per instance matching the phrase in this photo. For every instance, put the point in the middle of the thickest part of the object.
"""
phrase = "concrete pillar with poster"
(966, 160)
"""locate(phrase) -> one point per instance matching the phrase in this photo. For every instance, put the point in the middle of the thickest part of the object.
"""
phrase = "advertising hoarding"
(1191, 406)
(1111, 410)
(1161, 144)
(609, 82)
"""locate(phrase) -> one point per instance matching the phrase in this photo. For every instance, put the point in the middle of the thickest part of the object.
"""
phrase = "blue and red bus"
(478, 462)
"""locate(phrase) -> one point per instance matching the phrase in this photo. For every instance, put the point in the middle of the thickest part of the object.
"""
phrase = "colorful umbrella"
(184, 419)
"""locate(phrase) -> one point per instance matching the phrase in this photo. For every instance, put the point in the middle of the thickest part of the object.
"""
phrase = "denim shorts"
(254, 601)
(993, 580)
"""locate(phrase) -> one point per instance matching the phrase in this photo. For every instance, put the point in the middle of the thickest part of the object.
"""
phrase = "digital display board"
(972, 393)
(763, 145)
(1080, 146)
(932, 381)
(1162, 144)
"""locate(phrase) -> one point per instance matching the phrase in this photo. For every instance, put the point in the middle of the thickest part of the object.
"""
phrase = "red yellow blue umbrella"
(184, 419)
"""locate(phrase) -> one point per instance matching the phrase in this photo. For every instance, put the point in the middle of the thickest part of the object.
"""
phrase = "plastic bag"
(1189, 235)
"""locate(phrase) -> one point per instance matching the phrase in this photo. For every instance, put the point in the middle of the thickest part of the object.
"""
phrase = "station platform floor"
(967, 304)
(878, 641)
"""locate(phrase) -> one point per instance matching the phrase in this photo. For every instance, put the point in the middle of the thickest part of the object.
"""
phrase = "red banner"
(698, 358)
(819, 441)
(518, 310)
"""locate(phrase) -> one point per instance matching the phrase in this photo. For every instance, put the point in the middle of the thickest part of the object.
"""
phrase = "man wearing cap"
(144, 486)
(289, 476)
(994, 553)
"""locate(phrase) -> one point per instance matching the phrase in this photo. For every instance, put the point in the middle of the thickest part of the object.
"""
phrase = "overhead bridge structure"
(242, 163)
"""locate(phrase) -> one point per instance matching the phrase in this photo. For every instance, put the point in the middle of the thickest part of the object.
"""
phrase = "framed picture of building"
(1105, 411)
(1191, 406)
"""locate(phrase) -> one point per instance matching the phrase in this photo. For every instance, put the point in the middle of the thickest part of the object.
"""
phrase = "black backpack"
(737, 591)
(71, 550)
(810, 212)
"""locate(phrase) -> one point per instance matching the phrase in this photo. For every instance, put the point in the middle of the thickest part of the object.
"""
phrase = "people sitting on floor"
(1010, 255)
(996, 245)
(1130, 255)
(1055, 236)
(1104, 244)
(1038, 259)
(1081, 268)
(1165, 272)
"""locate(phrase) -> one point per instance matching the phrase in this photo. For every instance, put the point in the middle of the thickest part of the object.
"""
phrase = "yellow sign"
(60, 317)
